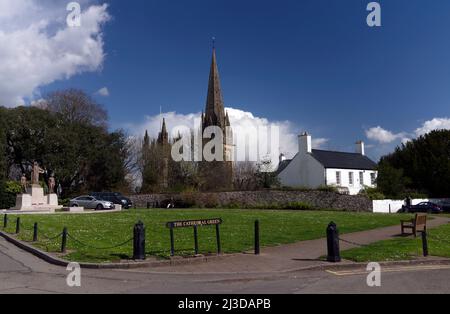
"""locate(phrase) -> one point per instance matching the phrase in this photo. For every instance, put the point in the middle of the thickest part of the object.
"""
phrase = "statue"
(51, 184)
(23, 183)
(35, 173)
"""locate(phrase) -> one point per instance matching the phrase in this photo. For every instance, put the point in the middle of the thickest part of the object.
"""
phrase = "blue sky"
(314, 63)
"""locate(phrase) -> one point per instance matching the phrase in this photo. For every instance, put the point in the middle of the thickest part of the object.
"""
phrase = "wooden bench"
(418, 224)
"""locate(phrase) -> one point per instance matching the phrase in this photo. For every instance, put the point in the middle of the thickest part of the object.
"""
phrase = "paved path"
(21, 272)
(272, 272)
(292, 256)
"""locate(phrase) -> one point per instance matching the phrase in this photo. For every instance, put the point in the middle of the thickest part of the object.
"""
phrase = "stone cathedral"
(217, 175)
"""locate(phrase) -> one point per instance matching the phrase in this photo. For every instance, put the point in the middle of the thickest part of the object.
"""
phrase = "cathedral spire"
(163, 137)
(214, 104)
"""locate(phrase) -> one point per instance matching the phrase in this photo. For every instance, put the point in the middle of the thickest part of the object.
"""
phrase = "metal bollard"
(139, 241)
(257, 244)
(196, 239)
(219, 246)
(35, 232)
(64, 241)
(5, 221)
(334, 255)
(425, 244)
(18, 225)
(172, 242)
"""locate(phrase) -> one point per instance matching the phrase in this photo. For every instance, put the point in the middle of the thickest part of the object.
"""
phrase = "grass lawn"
(106, 230)
(403, 248)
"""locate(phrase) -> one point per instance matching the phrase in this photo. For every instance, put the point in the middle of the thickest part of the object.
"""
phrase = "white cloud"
(103, 92)
(434, 124)
(240, 120)
(38, 48)
(383, 136)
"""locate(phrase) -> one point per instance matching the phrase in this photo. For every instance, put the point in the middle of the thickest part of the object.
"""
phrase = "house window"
(338, 178)
(361, 178)
(373, 178)
(350, 178)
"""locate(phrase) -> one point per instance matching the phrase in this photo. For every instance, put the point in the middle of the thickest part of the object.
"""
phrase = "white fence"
(393, 206)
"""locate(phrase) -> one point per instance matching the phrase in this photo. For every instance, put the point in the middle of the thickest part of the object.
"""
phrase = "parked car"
(424, 207)
(445, 205)
(115, 198)
(90, 202)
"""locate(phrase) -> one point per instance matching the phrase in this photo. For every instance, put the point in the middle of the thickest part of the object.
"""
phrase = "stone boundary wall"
(317, 199)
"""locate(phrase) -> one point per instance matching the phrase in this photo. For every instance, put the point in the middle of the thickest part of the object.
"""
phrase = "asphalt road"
(21, 272)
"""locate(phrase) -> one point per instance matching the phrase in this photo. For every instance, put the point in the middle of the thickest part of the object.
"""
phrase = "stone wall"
(316, 199)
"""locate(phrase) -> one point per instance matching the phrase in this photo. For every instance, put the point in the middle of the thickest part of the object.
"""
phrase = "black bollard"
(64, 241)
(18, 225)
(196, 239)
(5, 221)
(35, 232)
(424, 244)
(148, 205)
(334, 255)
(139, 241)
(219, 246)
(172, 242)
(257, 244)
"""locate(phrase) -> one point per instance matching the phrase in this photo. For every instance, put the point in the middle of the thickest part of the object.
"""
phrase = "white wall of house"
(304, 170)
(354, 187)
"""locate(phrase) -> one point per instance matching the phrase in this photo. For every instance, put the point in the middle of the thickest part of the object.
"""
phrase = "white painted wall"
(304, 171)
(357, 185)
(382, 206)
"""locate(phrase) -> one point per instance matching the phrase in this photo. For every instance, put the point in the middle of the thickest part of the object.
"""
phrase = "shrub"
(372, 193)
(8, 192)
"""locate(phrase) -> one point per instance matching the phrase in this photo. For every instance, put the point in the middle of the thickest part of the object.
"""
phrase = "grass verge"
(403, 248)
(108, 229)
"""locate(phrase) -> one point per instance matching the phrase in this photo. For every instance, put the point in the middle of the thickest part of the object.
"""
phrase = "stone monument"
(34, 199)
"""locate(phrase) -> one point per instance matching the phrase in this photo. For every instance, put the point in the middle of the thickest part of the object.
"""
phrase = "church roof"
(341, 160)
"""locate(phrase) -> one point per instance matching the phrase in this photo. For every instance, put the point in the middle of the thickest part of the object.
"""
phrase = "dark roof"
(283, 165)
(341, 160)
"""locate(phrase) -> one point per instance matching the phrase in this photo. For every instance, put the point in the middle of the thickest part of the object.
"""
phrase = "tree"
(424, 164)
(245, 176)
(391, 181)
(266, 177)
(83, 155)
(2, 144)
(75, 106)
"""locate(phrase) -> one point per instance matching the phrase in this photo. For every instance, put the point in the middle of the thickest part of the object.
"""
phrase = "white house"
(313, 168)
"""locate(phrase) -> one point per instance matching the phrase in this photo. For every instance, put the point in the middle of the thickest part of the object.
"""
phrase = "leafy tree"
(421, 165)
(78, 148)
(2, 144)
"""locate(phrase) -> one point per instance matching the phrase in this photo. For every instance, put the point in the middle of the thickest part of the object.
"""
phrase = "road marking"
(389, 270)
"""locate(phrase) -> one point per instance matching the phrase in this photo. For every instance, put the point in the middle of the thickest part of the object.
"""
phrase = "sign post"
(194, 224)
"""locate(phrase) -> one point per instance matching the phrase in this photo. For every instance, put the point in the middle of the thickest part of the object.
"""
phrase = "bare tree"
(76, 107)
(244, 176)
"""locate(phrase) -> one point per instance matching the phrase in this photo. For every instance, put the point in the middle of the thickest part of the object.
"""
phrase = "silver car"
(90, 202)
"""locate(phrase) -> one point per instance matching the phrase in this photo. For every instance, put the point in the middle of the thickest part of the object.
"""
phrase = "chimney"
(360, 149)
(282, 158)
(304, 142)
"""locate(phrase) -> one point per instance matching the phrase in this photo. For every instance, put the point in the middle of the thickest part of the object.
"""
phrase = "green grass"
(403, 248)
(108, 229)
